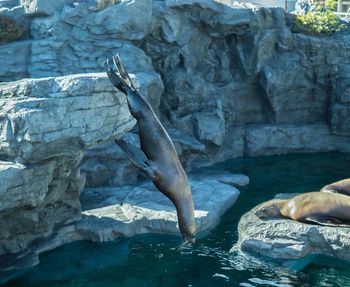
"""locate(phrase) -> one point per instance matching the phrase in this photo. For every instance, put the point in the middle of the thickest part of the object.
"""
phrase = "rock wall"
(226, 79)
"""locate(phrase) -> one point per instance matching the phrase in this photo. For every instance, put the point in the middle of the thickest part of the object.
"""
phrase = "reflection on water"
(157, 260)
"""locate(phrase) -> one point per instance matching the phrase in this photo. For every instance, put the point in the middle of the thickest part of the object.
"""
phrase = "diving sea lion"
(331, 209)
(157, 156)
(341, 186)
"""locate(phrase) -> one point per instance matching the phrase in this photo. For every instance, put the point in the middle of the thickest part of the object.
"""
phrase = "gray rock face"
(340, 119)
(45, 125)
(124, 26)
(16, 66)
(107, 165)
(37, 199)
(209, 69)
(210, 127)
(40, 117)
(281, 139)
(241, 75)
(288, 239)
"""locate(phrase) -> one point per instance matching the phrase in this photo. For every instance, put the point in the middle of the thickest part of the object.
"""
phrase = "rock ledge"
(114, 212)
(288, 239)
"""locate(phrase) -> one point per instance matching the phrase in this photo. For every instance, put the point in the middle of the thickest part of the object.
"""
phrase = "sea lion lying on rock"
(341, 186)
(330, 206)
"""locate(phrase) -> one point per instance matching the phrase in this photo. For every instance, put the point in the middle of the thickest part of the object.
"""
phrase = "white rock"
(119, 212)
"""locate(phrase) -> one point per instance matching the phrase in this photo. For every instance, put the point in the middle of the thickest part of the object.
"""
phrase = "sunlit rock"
(50, 117)
(288, 239)
(111, 212)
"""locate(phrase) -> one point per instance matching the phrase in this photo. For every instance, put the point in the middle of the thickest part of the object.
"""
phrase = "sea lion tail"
(115, 79)
(123, 73)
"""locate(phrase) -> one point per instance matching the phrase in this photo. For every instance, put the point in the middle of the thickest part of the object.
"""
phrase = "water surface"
(157, 260)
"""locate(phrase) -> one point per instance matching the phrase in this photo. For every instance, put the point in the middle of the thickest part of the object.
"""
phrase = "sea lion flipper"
(123, 73)
(136, 156)
(315, 220)
(340, 187)
(115, 79)
(325, 221)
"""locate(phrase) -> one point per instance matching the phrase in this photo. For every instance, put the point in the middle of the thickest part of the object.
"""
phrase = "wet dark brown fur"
(161, 162)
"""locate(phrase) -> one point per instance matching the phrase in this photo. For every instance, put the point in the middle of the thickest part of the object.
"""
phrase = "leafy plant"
(9, 29)
(318, 22)
(330, 4)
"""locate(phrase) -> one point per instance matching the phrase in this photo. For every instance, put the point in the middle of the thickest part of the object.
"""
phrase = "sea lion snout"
(268, 210)
(185, 214)
(188, 232)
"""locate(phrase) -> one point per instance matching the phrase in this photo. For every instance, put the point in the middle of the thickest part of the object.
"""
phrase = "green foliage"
(318, 23)
(9, 29)
(330, 4)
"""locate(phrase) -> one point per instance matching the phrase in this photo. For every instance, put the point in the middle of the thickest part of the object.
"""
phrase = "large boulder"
(287, 239)
(290, 89)
(45, 125)
(51, 117)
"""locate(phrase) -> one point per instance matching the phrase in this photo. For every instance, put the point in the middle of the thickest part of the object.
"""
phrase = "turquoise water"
(156, 260)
